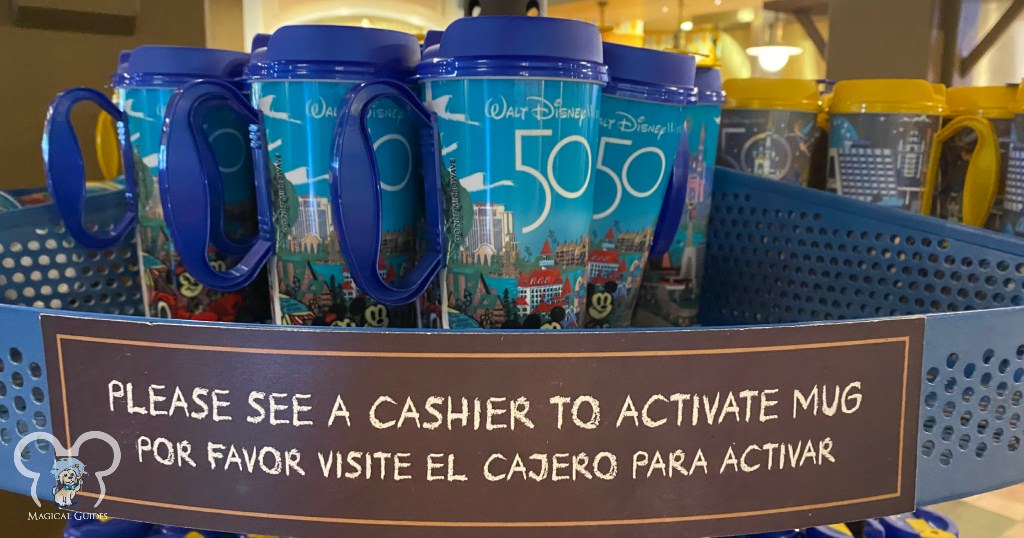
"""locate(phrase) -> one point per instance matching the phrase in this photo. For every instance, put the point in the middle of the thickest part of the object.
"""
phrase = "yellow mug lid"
(772, 93)
(988, 101)
(1018, 102)
(912, 96)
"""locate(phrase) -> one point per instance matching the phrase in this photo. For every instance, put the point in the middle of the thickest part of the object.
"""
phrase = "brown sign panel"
(676, 433)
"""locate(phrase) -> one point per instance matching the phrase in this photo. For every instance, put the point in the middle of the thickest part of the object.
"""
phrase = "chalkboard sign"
(676, 433)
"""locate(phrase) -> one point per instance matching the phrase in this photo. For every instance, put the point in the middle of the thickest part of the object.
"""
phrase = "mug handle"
(65, 169)
(981, 183)
(190, 185)
(355, 187)
(674, 204)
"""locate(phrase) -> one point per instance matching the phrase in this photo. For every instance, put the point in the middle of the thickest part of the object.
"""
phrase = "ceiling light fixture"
(686, 26)
(772, 58)
(664, 9)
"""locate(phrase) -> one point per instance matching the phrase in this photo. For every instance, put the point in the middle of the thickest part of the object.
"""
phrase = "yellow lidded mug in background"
(108, 149)
(769, 127)
(885, 141)
(993, 105)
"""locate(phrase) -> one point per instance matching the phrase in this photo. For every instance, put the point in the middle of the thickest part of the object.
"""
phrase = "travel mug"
(641, 165)
(769, 127)
(108, 149)
(1013, 201)
(885, 141)
(670, 292)
(106, 528)
(515, 104)
(144, 87)
(920, 523)
(993, 104)
(302, 76)
(872, 529)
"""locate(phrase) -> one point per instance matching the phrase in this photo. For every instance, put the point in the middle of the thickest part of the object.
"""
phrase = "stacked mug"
(670, 292)
(770, 128)
(1013, 201)
(296, 85)
(885, 141)
(511, 123)
(993, 105)
(642, 164)
(145, 82)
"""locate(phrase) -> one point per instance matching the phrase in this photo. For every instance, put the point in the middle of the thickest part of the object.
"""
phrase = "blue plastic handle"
(674, 204)
(190, 184)
(355, 187)
(65, 169)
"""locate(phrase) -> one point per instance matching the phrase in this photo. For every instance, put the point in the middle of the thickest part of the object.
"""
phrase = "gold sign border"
(495, 355)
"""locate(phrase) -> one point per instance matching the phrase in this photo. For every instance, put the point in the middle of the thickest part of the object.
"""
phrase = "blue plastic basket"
(776, 254)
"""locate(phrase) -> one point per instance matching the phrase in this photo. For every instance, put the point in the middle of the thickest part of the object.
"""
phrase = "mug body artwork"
(671, 288)
(1013, 201)
(517, 162)
(635, 153)
(772, 143)
(310, 280)
(881, 158)
(169, 291)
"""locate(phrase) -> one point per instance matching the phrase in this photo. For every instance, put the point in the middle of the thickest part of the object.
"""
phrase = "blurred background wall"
(50, 45)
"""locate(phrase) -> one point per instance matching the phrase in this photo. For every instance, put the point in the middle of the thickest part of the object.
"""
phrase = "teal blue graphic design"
(170, 291)
(880, 158)
(517, 160)
(312, 282)
(671, 288)
(1013, 200)
(637, 146)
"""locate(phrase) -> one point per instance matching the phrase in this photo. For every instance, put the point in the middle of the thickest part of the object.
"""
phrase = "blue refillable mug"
(296, 86)
(670, 292)
(872, 529)
(144, 85)
(82, 525)
(512, 104)
(921, 523)
(641, 172)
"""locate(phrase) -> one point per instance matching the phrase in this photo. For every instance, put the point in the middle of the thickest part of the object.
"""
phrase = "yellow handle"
(982, 181)
(108, 152)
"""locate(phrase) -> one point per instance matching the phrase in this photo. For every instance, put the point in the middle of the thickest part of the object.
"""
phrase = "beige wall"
(36, 64)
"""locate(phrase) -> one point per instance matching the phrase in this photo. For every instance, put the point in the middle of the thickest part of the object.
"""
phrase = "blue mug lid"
(522, 37)
(431, 52)
(122, 67)
(638, 65)
(259, 41)
(709, 83)
(431, 38)
(192, 62)
(387, 49)
(709, 79)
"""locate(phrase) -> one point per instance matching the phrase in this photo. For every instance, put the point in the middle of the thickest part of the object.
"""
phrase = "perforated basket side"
(24, 405)
(43, 267)
(782, 253)
(969, 436)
